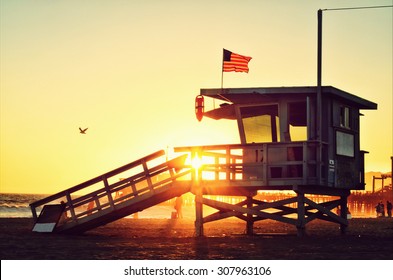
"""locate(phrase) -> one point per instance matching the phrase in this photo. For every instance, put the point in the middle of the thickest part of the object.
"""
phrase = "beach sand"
(173, 239)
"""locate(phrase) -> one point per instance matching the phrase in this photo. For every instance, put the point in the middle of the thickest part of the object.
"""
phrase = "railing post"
(319, 163)
(228, 162)
(264, 162)
(97, 201)
(233, 167)
(71, 206)
(171, 172)
(305, 162)
(108, 191)
(33, 211)
(193, 171)
(216, 168)
(146, 170)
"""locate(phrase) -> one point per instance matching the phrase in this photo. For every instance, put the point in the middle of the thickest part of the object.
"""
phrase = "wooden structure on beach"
(382, 177)
(284, 146)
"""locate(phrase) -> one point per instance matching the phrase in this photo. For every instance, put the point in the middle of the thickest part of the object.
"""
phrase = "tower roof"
(271, 94)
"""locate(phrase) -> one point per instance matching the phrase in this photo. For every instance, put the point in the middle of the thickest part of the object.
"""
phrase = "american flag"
(235, 62)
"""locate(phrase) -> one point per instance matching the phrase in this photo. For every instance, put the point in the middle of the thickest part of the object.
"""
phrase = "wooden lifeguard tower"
(284, 147)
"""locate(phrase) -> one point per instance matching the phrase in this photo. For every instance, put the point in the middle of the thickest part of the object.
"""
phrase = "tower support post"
(301, 222)
(198, 212)
(343, 212)
(250, 222)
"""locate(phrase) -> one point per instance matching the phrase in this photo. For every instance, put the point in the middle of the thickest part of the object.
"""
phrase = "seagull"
(82, 131)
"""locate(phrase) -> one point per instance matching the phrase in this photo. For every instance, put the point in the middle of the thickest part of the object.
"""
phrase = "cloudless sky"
(130, 70)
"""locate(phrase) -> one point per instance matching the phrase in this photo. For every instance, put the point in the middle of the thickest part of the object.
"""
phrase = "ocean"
(17, 206)
(13, 205)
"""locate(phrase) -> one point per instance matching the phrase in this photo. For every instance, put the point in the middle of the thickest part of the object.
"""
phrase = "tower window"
(345, 117)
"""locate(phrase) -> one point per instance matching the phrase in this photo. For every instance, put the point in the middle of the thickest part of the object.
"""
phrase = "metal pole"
(222, 69)
(319, 79)
(318, 123)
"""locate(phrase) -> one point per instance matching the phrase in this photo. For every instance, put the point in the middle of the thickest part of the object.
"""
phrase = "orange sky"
(130, 71)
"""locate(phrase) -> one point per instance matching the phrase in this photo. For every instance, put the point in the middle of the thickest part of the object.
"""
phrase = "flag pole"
(222, 70)
(222, 83)
(222, 78)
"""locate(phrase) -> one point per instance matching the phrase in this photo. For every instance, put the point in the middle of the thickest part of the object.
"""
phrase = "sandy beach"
(173, 239)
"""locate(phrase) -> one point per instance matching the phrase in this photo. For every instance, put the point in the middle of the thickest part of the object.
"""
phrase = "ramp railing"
(106, 192)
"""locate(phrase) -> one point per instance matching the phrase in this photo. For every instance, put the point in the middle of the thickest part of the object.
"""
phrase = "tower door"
(257, 124)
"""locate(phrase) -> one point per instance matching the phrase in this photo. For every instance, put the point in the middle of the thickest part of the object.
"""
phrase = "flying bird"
(82, 131)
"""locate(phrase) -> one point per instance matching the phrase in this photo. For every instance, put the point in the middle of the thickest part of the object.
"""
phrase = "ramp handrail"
(100, 187)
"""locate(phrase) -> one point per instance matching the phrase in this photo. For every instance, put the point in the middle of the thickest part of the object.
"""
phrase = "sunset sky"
(130, 70)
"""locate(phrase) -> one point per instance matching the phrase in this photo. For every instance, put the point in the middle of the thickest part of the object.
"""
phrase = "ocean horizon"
(17, 205)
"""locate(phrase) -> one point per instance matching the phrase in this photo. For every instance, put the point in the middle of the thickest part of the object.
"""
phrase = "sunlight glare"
(196, 162)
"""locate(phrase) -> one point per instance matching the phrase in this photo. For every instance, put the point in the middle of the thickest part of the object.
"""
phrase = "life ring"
(199, 107)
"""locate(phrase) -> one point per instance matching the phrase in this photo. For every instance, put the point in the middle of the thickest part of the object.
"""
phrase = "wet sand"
(366, 239)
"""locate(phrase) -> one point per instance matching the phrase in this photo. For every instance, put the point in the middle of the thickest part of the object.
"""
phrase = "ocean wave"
(13, 205)
(15, 212)
(17, 205)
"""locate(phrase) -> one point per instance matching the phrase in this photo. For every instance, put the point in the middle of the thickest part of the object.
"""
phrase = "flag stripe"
(235, 62)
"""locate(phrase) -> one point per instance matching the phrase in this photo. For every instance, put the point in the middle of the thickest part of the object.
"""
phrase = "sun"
(196, 162)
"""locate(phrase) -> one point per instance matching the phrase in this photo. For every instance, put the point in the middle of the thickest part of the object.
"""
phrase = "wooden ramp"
(118, 193)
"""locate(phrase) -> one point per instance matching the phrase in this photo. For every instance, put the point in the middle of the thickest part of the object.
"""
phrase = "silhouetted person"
(90, 206)
(389, 208)
(382, 209)
(378, 209)
(63, 216)
(178, 206)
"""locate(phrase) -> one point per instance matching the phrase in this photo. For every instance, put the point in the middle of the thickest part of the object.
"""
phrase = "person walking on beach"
(64, 215)
(389, 208)
(378, 209)
(178, 206)
(382, 209)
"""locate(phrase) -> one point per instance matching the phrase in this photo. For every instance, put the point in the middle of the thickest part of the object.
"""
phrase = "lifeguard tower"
(287, 144)
(284, 147)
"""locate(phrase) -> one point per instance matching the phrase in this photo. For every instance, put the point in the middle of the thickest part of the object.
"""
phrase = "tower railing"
(271, 164)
